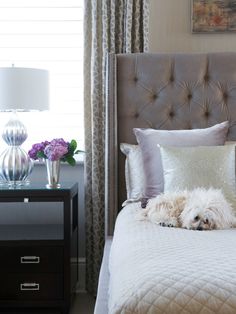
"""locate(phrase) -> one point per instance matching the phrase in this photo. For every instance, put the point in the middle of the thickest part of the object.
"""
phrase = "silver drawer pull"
(29, 286)
(30, 259)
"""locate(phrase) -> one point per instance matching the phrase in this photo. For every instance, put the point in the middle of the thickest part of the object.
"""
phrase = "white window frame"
(47, 34)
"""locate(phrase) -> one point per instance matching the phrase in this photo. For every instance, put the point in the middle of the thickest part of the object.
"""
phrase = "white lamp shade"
(24, 89)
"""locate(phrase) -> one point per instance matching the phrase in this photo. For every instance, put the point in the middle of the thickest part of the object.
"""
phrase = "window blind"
(47, 34)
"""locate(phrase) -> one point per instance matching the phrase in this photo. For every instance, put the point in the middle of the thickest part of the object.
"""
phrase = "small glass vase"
(53, 173)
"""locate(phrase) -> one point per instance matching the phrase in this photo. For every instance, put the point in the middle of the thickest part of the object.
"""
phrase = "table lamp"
(21, 89)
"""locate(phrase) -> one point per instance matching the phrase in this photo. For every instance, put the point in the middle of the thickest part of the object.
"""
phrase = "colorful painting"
(212, 16)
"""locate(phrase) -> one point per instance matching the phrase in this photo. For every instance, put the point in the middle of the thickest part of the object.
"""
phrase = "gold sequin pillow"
(203, 166)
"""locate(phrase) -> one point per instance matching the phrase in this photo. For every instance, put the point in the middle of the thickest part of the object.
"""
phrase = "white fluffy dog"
(199, 209)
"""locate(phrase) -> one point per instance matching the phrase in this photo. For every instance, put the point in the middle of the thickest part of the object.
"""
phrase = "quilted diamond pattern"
(168, 270)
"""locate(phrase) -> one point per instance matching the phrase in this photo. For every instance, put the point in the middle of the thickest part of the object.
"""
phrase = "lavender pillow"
(148, 139)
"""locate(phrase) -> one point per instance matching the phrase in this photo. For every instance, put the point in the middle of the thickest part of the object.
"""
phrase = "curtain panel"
(118, 26)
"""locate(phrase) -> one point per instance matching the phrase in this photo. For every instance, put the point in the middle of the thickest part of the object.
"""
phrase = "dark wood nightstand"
(39, 262)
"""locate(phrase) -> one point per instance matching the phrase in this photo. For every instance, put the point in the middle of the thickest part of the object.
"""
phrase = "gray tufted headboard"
(162, 91)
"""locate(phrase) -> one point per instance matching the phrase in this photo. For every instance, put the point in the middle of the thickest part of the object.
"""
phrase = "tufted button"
(154, 96)
(136, 115)
(135, 79)
(190, 96)
(171, 114)
(225, 96)
(171, 78)
(207, 113)
(206, 77)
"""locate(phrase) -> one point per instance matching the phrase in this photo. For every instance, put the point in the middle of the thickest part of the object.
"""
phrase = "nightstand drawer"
(31, 259)
(31, 287)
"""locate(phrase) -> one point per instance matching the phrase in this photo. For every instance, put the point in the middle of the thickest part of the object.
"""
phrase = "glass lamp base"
(12, 184)
(15, 164)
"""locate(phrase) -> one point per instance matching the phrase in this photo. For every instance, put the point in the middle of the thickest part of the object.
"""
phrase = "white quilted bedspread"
(156, 269)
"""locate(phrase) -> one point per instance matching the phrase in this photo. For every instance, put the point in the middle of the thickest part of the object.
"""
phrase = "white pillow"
(134, 172)
(203, 166)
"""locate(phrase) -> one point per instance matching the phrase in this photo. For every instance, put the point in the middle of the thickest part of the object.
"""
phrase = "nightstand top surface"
(39, 187)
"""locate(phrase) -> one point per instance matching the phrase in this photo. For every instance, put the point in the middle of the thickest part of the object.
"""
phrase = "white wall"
(170, 30)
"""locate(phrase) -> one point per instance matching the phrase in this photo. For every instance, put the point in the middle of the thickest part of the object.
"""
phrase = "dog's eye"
(196, 218)
(206, 221)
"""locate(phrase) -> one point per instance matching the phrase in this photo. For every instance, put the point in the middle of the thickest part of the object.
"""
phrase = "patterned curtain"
(118, 26)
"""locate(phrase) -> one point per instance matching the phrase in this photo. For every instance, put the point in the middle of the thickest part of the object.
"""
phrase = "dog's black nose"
(199, 228)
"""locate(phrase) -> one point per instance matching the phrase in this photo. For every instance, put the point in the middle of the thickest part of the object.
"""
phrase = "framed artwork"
(213, 16)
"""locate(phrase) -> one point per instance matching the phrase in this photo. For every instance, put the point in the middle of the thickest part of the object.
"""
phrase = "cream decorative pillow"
(203, 166)
(134, 173)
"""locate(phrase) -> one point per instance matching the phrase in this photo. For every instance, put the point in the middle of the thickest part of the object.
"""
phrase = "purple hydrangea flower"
(37, 148)
(59, 141)
(56, 149)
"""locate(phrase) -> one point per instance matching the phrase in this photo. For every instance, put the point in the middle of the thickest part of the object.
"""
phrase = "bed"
(147, 268)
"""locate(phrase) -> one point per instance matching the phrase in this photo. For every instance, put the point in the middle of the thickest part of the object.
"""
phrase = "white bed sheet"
(157, 269)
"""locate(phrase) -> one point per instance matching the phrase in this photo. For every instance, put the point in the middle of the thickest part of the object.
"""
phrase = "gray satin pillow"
(148, 140)
(192, 167)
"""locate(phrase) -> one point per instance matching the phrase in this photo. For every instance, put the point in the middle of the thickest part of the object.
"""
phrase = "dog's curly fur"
(199, 209)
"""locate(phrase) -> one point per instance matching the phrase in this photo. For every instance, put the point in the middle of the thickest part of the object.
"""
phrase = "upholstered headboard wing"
(162, 91)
